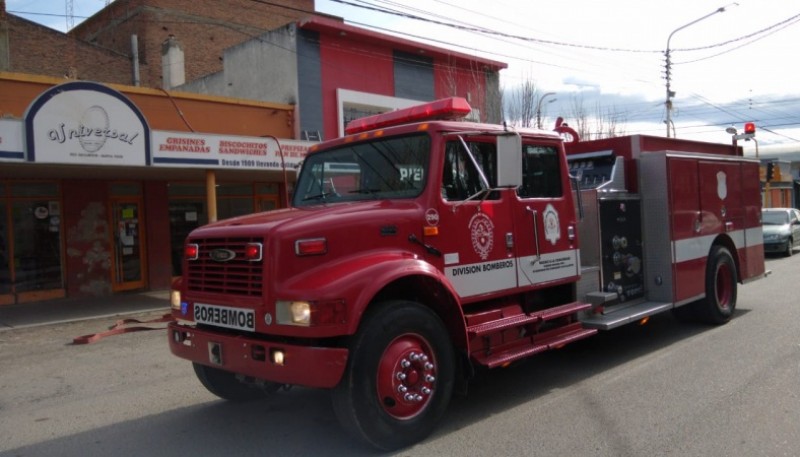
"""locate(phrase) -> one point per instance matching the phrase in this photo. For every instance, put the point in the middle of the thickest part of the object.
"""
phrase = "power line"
(493, 32)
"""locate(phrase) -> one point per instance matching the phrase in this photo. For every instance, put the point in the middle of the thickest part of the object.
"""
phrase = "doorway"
(128, 270)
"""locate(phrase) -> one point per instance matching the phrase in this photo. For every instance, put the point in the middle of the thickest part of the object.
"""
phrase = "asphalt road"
(663, 389)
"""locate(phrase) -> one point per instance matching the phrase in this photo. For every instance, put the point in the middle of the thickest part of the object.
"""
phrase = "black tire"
(789, 248)
(224, 384)
(721, 282)
(386, 397)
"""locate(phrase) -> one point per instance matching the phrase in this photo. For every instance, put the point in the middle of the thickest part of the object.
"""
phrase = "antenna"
(70, 14)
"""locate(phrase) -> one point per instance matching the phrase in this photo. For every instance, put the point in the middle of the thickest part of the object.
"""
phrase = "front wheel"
(721, 281)
(399, 376)
(789, 248)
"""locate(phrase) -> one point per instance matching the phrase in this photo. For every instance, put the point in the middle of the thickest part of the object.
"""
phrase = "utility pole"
(668, 66)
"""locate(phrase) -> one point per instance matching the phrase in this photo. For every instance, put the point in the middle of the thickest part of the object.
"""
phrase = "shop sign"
(181, 149)
(11, 145)
(88, 124)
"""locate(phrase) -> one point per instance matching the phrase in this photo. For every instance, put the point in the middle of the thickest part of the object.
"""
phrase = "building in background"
(100, 184)
(93, 215)
(780, 175)
(102, 48)
(334, 73)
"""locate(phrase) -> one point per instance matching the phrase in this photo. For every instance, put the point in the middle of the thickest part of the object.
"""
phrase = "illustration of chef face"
(94, 119)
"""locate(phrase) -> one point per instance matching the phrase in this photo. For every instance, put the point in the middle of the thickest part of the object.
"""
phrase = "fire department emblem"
(552, 227)
(482, 233)
(722, 186)
(432, 217)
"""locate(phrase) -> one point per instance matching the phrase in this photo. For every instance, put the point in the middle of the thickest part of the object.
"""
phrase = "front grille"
(236, 277)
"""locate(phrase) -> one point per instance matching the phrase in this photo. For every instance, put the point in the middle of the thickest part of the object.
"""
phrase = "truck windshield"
(394, 167)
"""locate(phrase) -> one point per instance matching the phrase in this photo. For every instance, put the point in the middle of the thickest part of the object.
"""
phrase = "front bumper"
(776, 246)
(301, 365)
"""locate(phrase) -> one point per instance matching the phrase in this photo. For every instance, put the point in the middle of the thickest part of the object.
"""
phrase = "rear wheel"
(224, 384)
(399, 377)
(721, 282)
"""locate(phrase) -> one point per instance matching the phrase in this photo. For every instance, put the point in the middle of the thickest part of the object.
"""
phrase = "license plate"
(225, 316)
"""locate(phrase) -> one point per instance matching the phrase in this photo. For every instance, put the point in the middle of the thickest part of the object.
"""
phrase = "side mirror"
(509, 160)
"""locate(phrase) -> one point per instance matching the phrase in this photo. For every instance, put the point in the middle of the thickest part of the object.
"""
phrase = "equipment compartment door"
(720, 197)
(621, 247)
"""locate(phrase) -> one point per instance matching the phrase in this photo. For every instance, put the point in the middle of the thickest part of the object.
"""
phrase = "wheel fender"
(728, 243)
(360, 278)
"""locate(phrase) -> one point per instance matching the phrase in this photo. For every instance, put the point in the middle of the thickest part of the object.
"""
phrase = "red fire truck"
(420, 248)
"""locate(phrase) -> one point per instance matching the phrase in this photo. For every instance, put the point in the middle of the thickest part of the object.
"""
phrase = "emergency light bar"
(447, 108)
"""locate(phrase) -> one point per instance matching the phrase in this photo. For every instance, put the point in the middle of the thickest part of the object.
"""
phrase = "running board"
(498, 325)
(624, 315)
(552, 340)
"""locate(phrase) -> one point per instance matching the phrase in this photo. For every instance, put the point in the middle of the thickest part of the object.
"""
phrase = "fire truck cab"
(420, 248)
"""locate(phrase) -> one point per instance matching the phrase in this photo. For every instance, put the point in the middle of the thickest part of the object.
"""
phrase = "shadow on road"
(302, 422)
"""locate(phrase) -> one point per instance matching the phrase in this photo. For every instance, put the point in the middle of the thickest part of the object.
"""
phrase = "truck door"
(475, 230)
(545, 220)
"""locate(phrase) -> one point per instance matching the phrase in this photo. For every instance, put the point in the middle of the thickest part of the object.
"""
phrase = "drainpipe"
(135, 57)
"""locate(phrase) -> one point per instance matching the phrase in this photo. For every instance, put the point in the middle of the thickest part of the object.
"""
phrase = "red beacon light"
(750, 128)
(444, 109)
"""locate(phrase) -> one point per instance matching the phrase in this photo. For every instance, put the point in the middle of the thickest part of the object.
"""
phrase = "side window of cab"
(541, 172)
(460, 178)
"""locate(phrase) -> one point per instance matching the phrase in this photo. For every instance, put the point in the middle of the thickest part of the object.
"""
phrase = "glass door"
(36, 234)
(6, 295)
(129, 247)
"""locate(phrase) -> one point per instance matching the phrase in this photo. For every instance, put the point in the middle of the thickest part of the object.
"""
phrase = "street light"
(670, 93)
(539, 108)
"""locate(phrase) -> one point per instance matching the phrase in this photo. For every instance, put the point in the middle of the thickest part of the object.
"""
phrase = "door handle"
(535, 233)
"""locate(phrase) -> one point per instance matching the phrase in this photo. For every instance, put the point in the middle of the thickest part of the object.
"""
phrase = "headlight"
(175, 299)
(308, 313)
(293, 312)
(775, 237)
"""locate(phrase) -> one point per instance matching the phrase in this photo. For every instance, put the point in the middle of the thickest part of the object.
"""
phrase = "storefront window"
(126, 189)
(184, 216)
(5, 267)
(37, 242)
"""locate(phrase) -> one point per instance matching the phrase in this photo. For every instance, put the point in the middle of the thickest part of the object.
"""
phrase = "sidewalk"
(76, 309)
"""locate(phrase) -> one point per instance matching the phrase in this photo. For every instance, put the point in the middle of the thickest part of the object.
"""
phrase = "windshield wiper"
(321, 196)
(364, 191)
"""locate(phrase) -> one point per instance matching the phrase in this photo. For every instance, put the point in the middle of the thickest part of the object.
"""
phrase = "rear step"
(620, 316)
(498, 325)
(532, 345)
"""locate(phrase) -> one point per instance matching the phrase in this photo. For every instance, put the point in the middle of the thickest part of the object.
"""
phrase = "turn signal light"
(253, 251)
(311, 246)
(191, 251)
